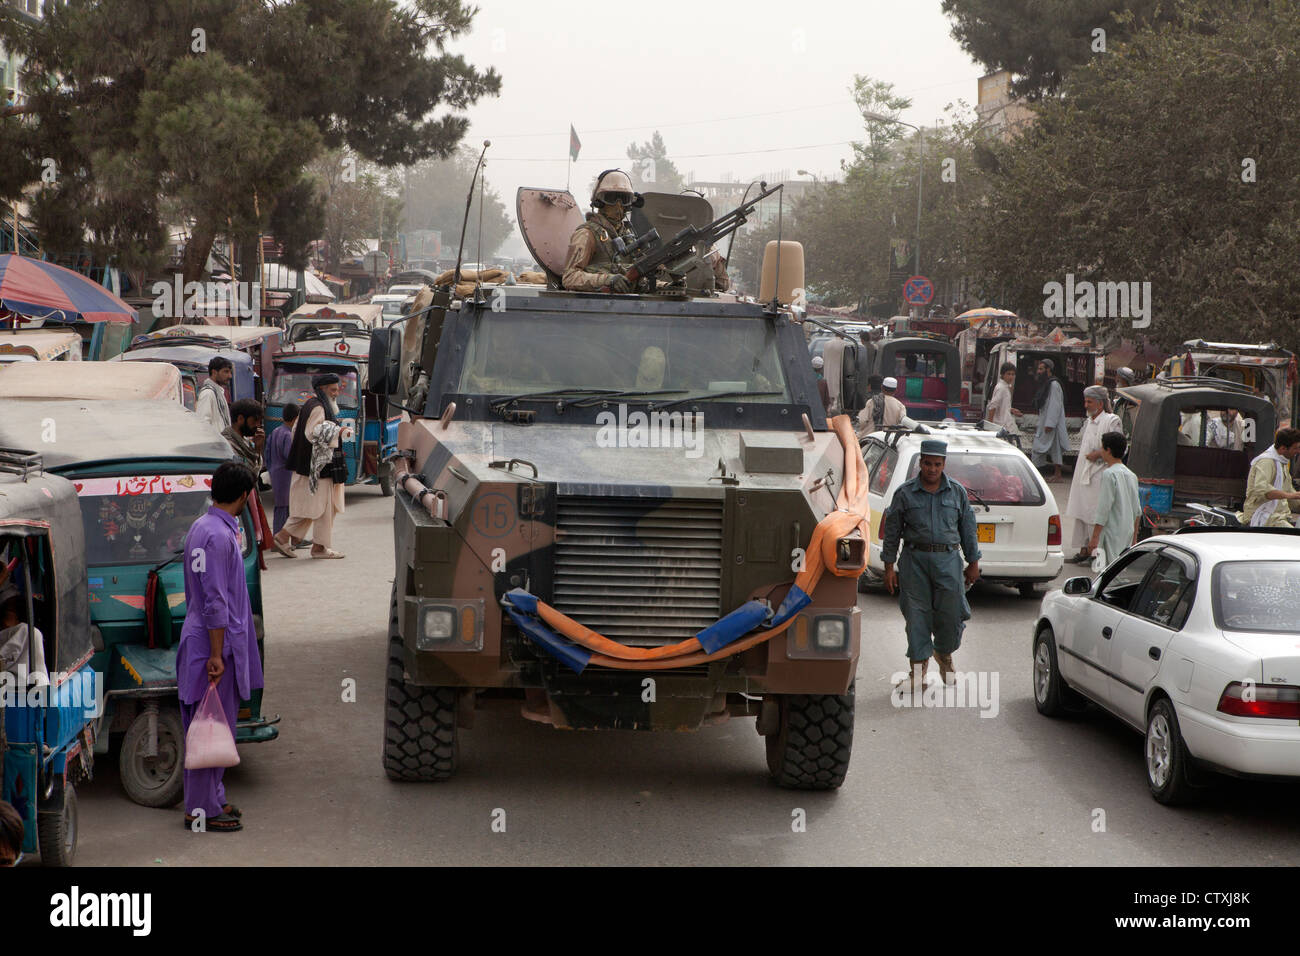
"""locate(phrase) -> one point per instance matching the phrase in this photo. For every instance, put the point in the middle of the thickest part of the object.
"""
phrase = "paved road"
(926, 786)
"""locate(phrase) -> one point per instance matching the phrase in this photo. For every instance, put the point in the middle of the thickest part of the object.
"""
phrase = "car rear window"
(1257, 596)
(997, 478)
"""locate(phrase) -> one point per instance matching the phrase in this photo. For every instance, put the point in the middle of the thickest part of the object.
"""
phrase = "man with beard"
(1085, 485)
(210, 404)
(1051, 439)
(319, 471)
(247, 439)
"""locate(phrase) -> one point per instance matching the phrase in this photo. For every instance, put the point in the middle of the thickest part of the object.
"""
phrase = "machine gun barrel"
(682, 245)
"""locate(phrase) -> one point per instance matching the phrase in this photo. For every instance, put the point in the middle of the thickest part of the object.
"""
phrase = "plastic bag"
(1099, 561)
(209, 742)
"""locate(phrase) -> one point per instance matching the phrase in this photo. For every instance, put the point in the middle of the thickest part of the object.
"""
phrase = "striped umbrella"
(41, 290)
(975, 316)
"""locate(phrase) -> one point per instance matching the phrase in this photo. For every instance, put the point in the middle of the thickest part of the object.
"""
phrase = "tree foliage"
(213, 109)
(651, 170)
(1039, 43)
(360, 201)
(1170, 161)
(436, 192)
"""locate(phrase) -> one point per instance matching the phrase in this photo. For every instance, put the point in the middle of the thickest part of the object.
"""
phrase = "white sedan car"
(1018, 523)
(1192, 639)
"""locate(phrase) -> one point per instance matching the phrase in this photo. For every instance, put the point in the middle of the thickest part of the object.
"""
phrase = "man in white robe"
(1000, 412)
(1051, 435)
(1085, 486)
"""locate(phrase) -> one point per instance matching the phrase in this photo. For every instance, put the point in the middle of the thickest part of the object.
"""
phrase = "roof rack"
(1202, 381)
(18, 461)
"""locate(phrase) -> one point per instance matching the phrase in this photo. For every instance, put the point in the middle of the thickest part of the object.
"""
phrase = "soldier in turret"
(592, 263)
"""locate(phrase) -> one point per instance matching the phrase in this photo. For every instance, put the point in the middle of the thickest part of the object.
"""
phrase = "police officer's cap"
(933, 446)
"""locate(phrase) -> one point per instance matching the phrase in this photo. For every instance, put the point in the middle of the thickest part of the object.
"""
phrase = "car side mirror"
(1077, 586)
(385, 360)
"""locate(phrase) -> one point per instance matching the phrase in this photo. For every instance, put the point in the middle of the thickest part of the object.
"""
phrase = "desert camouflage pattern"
(643, 545)
(592, 260)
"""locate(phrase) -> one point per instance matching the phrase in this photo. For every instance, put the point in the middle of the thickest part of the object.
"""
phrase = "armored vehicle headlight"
(437, 624)
(832, 632)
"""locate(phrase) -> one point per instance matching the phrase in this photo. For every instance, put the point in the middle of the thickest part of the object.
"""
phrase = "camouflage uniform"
(592, 260)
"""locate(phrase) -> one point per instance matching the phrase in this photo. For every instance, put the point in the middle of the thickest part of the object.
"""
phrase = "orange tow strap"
(852, 512)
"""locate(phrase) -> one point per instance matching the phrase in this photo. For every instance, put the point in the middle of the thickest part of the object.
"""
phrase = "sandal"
(329, 553)
(229, 809)
(224, 823)
(286, 551)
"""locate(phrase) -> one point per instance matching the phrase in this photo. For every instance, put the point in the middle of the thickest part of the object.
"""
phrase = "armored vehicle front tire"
(814, 741)
(56, 826)
(155, 781)
(420, 738)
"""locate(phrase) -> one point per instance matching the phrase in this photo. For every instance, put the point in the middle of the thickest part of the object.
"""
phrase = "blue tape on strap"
(739, 622)
(570, 655)
(522, 600)
(794, 602)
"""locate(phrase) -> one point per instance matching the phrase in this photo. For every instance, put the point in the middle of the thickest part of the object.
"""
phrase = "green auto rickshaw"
(143, 473)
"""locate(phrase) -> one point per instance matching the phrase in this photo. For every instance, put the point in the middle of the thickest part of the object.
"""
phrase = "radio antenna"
(478, 275)
(469, 201)
(776, 280)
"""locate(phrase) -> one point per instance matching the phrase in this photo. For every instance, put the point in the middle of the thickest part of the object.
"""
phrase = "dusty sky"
(750, 88)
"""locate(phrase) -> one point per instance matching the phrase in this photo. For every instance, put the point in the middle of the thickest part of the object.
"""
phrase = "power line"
(619, 159)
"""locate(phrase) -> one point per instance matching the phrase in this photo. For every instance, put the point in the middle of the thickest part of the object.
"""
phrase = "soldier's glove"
(619, 283)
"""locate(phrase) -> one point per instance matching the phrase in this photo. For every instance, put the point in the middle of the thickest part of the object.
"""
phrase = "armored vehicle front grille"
(643, 571)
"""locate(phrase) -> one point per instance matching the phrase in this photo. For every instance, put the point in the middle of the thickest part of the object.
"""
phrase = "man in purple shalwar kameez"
(277, 464)
(218, 642)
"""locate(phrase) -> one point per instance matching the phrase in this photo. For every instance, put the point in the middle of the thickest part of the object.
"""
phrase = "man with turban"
(319, 471)
(1051, 438)
(1085, 486)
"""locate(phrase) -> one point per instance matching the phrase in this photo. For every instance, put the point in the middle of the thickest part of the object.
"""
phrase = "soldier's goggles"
(622, 199)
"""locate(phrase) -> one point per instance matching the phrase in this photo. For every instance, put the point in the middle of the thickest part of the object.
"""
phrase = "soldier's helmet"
(613, 186)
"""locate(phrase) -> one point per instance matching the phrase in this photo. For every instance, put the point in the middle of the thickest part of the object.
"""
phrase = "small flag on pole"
(575, 144)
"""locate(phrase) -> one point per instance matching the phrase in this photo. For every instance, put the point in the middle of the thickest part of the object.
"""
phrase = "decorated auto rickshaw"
(1193, 441)
(260, 342)
(49, 695)
(345, 352)
(147, 381)
(192, 361)
(39, 345)
(928, 369)
(1267, 369)
(142, 472)
(311, 320)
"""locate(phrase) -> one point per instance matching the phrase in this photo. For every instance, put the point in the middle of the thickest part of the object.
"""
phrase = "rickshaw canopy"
(149, 381)
(41, 345)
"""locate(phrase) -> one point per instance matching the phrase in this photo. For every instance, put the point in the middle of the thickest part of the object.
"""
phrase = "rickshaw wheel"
(154, 781)
(56, 826)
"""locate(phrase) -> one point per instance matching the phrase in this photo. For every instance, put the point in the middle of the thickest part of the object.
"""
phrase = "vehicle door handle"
(1153, 653)
(1107, 633)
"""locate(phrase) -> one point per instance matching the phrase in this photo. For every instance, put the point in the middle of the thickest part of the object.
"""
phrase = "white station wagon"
(1018, 523)
(1192, 638)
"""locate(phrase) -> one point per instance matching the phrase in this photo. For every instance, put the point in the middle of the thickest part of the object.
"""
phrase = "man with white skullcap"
(882, 410)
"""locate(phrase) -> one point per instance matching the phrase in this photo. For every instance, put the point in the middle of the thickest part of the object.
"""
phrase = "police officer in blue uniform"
(931, 518)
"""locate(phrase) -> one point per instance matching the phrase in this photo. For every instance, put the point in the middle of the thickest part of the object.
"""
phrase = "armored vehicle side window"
(517, 351)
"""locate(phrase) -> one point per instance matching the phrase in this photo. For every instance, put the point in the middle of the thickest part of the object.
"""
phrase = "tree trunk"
(195, 262)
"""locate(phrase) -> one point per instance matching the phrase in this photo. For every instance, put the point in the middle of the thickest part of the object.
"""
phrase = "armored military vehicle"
(604, 503)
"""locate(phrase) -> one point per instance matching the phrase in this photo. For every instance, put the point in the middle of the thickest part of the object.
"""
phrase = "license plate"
(987, 533)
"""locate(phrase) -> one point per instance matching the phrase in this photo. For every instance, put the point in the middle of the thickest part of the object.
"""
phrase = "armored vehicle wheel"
(386, 480)
(56, 826)
(420, 738)
(156, 781)
(811, 748)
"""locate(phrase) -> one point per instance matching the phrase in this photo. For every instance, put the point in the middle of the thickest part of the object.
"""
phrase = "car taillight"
(1253, 700)
(1054, 531)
